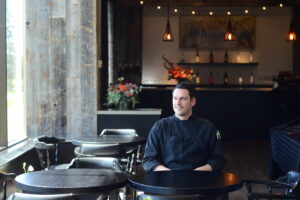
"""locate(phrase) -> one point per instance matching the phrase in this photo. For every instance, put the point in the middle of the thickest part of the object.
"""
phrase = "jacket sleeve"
(152, 150)
(216, 158)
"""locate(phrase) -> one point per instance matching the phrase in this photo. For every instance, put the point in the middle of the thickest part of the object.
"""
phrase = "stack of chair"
(286, 187)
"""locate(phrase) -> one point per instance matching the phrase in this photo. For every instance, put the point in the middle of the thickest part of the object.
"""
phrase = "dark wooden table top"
(185, 182)
(109, 139)
(71, 181)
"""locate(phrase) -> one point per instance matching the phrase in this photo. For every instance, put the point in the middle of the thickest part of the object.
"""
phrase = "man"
(183, 141)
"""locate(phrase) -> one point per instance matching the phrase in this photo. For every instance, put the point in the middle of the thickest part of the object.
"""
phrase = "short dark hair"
(188, 86)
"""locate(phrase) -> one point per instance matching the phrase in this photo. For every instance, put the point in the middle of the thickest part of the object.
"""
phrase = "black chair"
(93, 150)
(25, 196)
(96, 163)
(133, 152)
(177, 197)
(286, 187)
(100, 163)
(5, 177)
(125, 132)
(44, 145)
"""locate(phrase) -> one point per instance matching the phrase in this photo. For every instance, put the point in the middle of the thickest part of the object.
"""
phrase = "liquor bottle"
(251, 57)
(211, 79)
(225, 78)
(197, 58)
(211, 57)
(240, 79)
(198, 80)
(238, 58)
(226, 57)
(182, 58)
(251, 78)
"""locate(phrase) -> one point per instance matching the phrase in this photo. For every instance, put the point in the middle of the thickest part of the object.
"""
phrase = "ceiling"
(214, 3)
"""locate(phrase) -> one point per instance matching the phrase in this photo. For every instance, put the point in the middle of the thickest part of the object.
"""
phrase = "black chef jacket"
(183, 144)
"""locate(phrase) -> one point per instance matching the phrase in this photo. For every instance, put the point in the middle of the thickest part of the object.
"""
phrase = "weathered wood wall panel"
(61, 61)
(58, 79)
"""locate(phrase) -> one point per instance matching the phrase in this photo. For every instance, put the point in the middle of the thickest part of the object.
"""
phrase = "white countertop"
(138, 111)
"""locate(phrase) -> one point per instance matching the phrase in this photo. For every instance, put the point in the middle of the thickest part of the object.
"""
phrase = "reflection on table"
(71, 181)
(185, 182)
(109, 139)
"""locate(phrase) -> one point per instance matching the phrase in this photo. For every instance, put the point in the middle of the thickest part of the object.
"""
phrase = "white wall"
(272, 51)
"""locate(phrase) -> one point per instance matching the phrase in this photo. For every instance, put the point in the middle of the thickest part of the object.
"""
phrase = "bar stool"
(5, 177)
(43, 146)
(134, 152)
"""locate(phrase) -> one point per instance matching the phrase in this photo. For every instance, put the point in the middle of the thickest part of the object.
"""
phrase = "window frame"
(3, 75)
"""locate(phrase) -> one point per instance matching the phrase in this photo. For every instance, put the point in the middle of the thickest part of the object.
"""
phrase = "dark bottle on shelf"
(226, 59)
(225, 78)
(211, 79)
(211, 57)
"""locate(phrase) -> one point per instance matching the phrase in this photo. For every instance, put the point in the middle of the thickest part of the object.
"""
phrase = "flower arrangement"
(177, 72)
(123, 95)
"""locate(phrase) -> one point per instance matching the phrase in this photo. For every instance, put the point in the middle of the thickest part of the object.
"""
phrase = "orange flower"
(122, 88)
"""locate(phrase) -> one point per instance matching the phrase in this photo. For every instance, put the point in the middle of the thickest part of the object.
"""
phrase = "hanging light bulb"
(291, 36)
(229, 36)
(168, 37)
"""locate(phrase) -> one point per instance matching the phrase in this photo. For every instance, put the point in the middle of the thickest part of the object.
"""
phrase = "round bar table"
(185, 183)
(109, 139)
(71, 181)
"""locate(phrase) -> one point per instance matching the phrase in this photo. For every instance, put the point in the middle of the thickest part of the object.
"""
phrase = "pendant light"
(168, 37)
(291, 36)
(229, 36)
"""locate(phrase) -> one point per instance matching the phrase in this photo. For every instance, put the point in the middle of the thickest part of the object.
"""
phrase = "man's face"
(182, 103)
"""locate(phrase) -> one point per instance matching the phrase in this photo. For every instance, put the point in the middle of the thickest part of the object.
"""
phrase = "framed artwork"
(207, 32)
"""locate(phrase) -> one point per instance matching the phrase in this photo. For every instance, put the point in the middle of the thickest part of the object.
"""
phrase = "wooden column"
(61, 68)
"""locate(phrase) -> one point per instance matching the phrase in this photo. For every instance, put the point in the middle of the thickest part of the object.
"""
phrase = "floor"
(247, 159)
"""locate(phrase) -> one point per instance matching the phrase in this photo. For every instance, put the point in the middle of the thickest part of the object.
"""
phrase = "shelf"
(218, 64)
(213, 85)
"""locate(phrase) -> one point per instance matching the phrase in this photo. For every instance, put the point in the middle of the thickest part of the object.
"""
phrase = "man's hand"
(161, 168)
(206, 167)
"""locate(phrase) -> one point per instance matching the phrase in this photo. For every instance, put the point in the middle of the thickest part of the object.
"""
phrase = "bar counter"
(239, 112)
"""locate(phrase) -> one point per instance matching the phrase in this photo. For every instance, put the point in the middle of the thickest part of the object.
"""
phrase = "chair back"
(5, 177)
(96, 163)
(25, 196)
(177, 197)
(134, 151)
(125, 132)
(98, 150)
(43, 145)
(291, 177)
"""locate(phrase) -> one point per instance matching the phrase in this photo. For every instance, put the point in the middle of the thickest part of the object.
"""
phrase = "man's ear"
(193, 101)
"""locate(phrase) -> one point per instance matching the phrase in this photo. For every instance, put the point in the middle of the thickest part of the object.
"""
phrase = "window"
(13, 71)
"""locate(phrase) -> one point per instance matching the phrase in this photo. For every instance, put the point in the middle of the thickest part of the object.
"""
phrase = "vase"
(123, 105)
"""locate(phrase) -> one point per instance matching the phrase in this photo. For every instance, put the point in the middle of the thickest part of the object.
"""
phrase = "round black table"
(71, 181)
(185, 182)
(109, 139)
